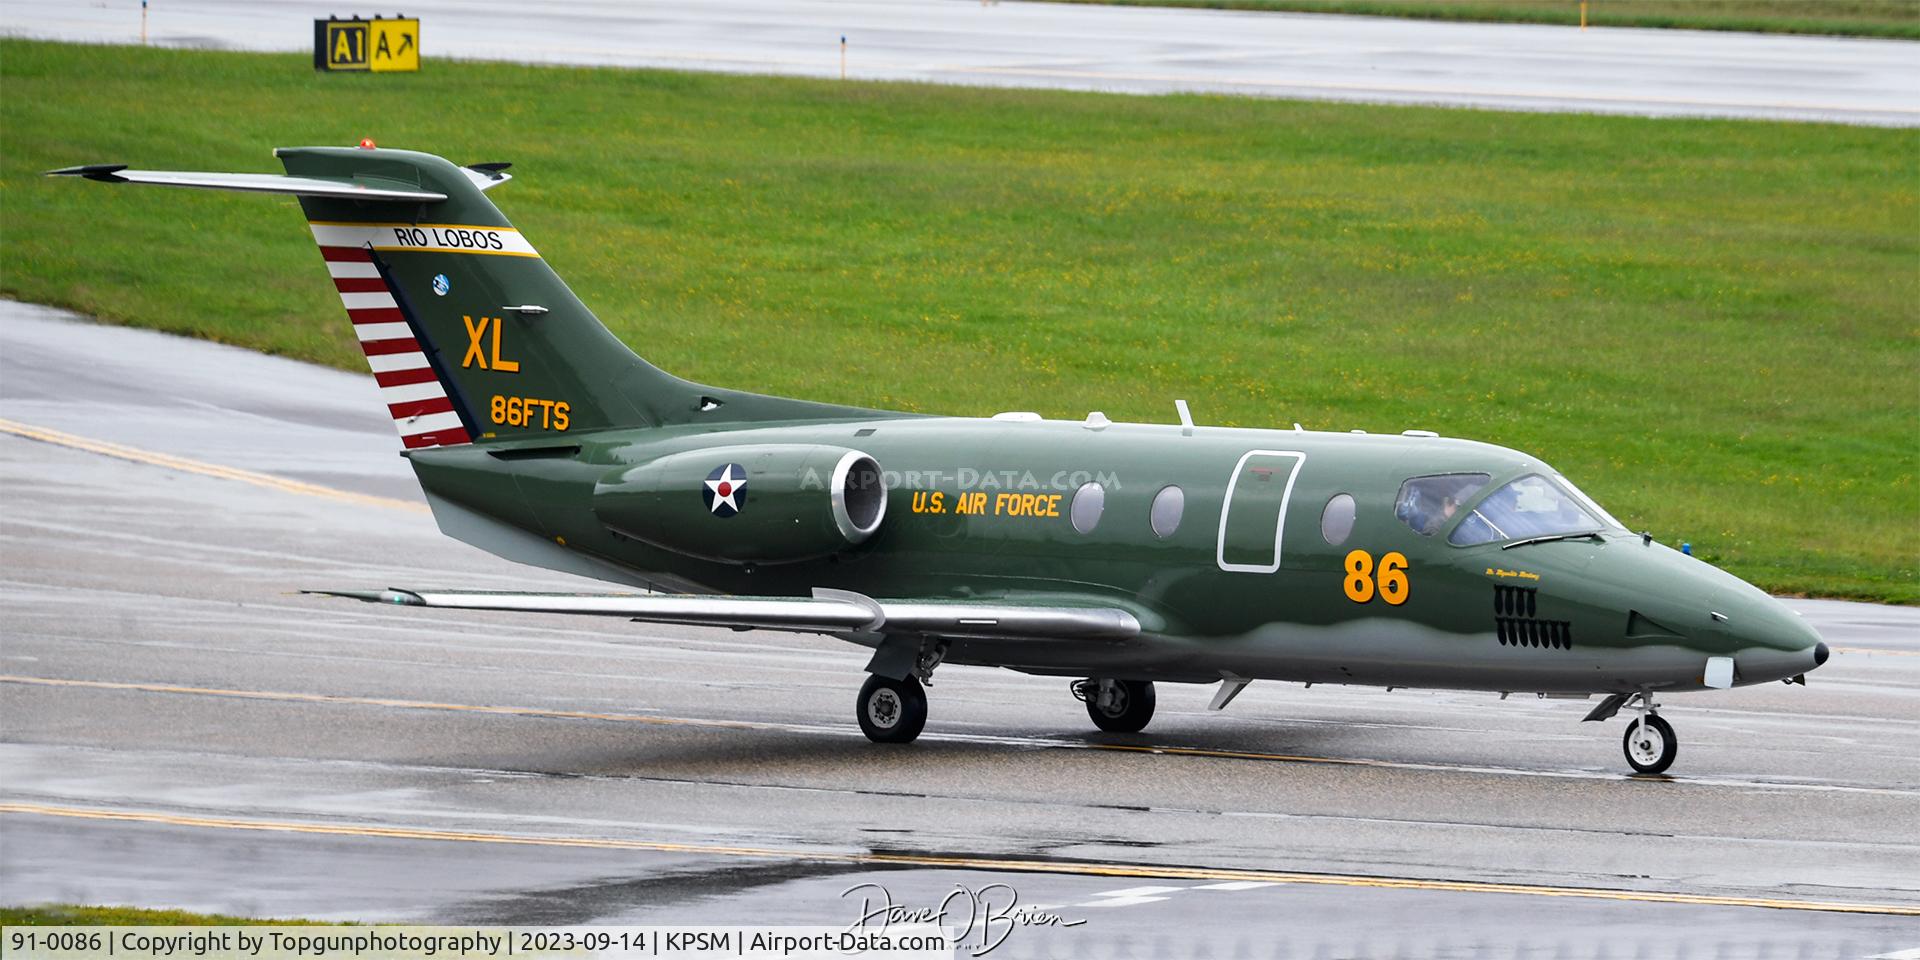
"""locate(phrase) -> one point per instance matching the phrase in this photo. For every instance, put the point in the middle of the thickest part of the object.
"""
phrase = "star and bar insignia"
(723, 489)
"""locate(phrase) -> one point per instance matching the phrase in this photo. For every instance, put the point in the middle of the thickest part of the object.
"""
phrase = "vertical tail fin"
(469, 333)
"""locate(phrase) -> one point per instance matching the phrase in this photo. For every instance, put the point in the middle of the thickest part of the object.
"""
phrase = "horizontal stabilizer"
(339, 188)
(828, 612)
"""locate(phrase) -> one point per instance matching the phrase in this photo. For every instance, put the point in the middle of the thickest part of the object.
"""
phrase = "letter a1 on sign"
(361, 46)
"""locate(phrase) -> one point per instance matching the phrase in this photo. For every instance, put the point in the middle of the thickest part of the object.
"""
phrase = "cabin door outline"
(1250, 508)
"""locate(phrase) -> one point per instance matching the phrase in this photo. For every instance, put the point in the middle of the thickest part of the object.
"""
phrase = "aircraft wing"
(827, 611)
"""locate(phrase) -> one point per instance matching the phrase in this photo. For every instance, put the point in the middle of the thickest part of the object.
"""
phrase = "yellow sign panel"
(380, 46)
(396, 46)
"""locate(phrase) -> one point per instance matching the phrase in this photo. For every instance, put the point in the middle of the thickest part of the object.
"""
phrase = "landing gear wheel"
(1120, 706)
(891, 711)
(1651, 750)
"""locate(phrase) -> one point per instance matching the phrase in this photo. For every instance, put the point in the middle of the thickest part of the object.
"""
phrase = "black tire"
(1653, 754)
(891, 711)
(1128, 710)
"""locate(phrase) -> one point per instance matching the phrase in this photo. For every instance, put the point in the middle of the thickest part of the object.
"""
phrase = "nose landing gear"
(1650, 743)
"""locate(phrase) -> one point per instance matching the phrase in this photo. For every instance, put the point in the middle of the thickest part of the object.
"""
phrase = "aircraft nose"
(1776, 643)
(1682, 598)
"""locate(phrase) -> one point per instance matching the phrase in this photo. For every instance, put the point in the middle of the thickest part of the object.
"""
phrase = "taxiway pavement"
(1080, 47)
(182, 730)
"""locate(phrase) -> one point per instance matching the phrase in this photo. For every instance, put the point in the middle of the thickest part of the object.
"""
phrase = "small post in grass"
(843, 56)
(143, 22)
(1583, 14)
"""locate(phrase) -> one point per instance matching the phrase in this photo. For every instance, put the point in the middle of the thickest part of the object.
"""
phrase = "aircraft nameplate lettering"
(979, 503)
(529, 412)
(1510, 574)
(425, 237)
(483, 351)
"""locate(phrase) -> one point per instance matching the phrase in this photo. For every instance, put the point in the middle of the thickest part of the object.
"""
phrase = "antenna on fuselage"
(1186, 418)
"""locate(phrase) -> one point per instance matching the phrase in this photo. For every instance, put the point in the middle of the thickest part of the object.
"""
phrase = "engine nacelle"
(770, 503)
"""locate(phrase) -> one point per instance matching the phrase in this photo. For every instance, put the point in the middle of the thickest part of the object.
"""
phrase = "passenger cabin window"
(1336, 521)
(1168, 506)
(1088, 503)
(1427, 503)
(1528, 507)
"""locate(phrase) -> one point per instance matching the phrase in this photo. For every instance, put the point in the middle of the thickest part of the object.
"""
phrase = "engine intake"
(769, 504)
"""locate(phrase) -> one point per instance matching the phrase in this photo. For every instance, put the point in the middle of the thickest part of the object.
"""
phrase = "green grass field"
(1856, 18)
(63, 915)
(1710, 325)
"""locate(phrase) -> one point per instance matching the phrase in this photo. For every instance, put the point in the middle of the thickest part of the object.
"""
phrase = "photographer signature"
(986, 916)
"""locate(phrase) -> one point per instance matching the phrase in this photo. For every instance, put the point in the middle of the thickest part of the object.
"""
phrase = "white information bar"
(271, 942)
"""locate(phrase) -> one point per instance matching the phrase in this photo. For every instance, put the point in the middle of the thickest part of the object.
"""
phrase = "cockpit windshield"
(1532, 506)
(1588, 502)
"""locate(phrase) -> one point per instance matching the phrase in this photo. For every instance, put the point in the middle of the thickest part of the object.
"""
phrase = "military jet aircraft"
(1114, 554)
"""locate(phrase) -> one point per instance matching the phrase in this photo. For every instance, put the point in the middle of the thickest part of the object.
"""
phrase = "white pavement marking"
(1120, 901)
(1135, 896)
(1129, 897)
(1138, 891)
(1120, 49)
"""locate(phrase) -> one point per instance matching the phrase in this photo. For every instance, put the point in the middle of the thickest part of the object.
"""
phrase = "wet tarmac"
(181, 729)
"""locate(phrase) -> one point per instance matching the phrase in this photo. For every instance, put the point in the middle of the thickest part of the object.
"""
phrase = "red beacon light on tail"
(366, 143)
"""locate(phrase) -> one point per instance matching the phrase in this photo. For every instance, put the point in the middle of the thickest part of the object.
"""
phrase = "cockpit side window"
(1532, 506)
(1427, 503)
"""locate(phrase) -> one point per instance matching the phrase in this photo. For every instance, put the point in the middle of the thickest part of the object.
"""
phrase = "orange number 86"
(1391, 584)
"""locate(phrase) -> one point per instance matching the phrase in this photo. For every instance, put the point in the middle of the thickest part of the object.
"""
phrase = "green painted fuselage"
(1575, 611)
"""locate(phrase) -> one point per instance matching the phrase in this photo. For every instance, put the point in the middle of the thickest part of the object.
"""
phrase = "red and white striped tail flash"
(421, 409)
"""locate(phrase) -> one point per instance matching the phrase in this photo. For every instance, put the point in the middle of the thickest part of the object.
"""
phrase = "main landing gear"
(1117, 706)
(895, 711)
(892, 711)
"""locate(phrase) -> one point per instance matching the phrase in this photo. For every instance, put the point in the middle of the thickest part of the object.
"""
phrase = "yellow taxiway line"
(287, 697)
(1094, 869)
(171, 462)
(279, 696)
(547, 713)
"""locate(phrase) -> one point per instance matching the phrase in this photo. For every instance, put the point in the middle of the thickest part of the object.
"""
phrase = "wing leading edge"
(827, 611)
